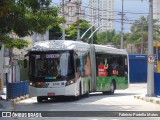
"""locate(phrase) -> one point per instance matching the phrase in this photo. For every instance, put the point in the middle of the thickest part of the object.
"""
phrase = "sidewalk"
(155, 100)
(9, 104)
(5, 104)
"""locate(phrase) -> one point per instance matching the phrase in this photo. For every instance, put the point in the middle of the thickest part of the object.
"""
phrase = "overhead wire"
(116, 13)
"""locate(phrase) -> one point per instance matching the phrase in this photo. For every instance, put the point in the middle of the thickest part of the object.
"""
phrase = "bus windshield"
(51, 65)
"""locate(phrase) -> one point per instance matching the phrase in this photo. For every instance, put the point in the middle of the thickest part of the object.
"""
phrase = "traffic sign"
(151, 58)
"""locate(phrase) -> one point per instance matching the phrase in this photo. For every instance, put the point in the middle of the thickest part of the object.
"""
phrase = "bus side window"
(81, 63)
(87, 66)
(121, 63)
(125, 65)
(77, 62)
(109, 62)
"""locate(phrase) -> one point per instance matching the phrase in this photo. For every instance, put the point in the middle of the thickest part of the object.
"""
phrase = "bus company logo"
(6, 114)
(151, 58)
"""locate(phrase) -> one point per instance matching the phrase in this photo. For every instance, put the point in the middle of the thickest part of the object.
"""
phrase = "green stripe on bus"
(103, 83)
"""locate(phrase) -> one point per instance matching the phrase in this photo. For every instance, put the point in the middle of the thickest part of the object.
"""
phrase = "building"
(71, 11)
(156, 10)
(1, 69)
(101, 14)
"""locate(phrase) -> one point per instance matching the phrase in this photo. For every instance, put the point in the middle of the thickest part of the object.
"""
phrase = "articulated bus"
(72, 68)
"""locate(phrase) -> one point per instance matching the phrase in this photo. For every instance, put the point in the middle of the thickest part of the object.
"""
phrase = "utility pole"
(63, 24)
(98, 15)
(92, 21)
(78, 20)
(142, 39)
(122, 16)
(150, 71)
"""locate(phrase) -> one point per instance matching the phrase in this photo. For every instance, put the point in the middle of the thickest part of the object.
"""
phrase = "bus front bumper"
(70, 90)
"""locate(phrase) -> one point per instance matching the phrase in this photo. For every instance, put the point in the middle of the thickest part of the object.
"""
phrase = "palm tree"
(139, 33)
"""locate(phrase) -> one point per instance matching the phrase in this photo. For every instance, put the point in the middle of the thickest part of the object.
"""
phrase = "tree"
(22, 17)
(106, 37)
(139, 30)
(71, 31)
(55, 33)
(116, 39)
(139, 34)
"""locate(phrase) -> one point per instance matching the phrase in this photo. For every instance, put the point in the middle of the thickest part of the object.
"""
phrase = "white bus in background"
(71, 68)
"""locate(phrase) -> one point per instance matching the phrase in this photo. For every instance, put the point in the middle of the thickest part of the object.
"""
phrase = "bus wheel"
(112, 88)
(39, 99)
(80, 91)
(87, 94)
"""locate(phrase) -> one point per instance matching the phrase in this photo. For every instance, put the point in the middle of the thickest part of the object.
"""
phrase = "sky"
(133, 9)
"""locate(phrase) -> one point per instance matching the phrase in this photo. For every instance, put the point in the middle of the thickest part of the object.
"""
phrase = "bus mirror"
(25, 63)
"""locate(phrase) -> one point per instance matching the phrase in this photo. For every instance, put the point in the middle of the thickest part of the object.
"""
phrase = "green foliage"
(139, 31)
(71, 31)
(14, 42)
(106, 37)
(55, 32)
(22, 17)
(116, 39)
(138, 34)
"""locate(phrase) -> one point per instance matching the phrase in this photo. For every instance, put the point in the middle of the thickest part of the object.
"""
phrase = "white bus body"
(76, 68)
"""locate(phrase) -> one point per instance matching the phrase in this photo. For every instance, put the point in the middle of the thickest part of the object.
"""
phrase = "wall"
(138, 68)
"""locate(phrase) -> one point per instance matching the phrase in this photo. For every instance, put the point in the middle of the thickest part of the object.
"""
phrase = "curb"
(18, 99)
(10, 104)
(148, 99)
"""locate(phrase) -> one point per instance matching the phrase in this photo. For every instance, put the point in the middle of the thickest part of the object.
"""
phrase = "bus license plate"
(56, 84)
(51, 94)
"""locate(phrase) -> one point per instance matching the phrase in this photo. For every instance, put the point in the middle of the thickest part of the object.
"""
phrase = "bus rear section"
(111, 69)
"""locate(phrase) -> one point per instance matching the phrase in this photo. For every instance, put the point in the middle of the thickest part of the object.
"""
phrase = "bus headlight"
(31, 84)
(70, 82)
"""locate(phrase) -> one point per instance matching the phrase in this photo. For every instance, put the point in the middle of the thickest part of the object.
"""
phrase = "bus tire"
(87, 94)
(80, 91)
(39, 99)
(112, 88)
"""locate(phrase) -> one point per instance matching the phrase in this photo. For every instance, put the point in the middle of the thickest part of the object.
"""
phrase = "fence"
(138, 68)
(157, 84)
(17, 89)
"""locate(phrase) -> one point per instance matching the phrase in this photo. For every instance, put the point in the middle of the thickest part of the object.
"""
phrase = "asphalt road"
(122, 101)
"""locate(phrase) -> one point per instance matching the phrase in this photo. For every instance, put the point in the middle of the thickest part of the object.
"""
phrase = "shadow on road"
(92, 97)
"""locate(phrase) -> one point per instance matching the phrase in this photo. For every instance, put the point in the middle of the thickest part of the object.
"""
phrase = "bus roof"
(106, 49)
(50, 45)
(59, 45)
